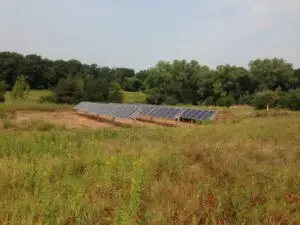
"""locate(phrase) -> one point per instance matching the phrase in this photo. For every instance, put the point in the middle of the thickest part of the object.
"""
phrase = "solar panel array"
(111, 110)
(195, 114)
(161, 112)
(130, 111)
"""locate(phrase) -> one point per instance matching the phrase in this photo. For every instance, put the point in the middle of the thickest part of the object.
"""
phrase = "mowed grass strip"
(246, 172)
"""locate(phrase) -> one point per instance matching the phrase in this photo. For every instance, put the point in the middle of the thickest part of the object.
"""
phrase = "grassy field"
(240, 171)
(134, 97)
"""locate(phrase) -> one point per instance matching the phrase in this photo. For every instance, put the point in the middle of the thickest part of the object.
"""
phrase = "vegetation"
(50, 175)
(134, 97)
(2, 91)
(176, 82)
(20, 89)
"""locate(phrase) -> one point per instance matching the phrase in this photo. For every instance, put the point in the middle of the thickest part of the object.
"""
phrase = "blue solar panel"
(161, 112)
(117, 110)
(111, 110)
(195, 114)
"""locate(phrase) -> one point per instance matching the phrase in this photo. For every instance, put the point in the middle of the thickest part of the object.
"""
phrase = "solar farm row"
(131, 111)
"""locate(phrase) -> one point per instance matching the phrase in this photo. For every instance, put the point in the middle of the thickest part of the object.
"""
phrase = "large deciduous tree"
(272, 74)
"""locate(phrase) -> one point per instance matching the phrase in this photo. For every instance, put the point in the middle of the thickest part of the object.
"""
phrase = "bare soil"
(68, 119)
(72, 119)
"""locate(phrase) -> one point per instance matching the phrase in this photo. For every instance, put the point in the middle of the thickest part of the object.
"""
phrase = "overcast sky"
(139, 33)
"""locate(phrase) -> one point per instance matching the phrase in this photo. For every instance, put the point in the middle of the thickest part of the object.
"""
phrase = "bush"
(245, 100)
(226, 101)
(170, 101)
(154, 96)
(291, 100)
(209, 101)
(264, 98)
(21, 88)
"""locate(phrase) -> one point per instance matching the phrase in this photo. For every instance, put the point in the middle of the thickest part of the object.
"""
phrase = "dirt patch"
(72, 119)
(68, 119)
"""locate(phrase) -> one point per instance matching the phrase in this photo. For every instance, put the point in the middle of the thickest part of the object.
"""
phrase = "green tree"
(115, 93)
(69, 90)
(132, 84)
(21, 88)
(271, 74)
(94, 90)
(264, 99)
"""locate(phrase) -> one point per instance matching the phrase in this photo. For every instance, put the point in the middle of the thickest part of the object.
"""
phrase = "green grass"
(242, 172)
(33, 97)
(31, 103)
(134, 97)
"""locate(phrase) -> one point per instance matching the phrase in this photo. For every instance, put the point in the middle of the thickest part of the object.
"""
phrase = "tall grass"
(228, 173)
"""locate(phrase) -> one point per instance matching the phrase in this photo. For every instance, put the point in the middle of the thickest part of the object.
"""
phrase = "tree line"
(272, 82)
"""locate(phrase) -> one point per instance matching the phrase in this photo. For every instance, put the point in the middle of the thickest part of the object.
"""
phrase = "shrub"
(265, 98)
(291, 100)
(21, 88)
(209, 101)
(170, 101)
(155, 99)
(226, 101)
(245, 100)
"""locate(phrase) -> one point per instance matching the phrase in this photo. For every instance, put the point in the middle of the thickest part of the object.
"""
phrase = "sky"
(139, 33)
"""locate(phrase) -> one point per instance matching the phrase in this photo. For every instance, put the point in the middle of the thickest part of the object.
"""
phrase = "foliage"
(68, 90)
(154, 97)
(134, 97)
(94, 90)
(44, 73)
(2, 91)
(177, 81)
(291, 100)
(170, 101)
(266, 98)
(21, 88)
(132, 84)
(115, 93)
(226, 101)
(271, 74)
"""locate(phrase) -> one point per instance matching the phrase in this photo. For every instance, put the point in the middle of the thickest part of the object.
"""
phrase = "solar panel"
(161, 112)
(111, 110)
(124, 112)
(127, 111)
(195, 114)
(208, 115)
